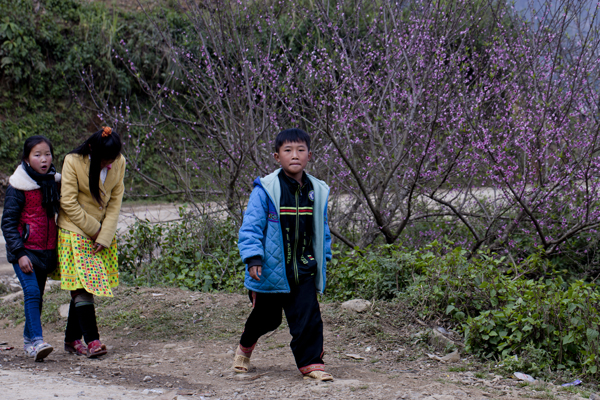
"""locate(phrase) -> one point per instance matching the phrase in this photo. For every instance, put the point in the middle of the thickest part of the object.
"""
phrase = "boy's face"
(293, 157)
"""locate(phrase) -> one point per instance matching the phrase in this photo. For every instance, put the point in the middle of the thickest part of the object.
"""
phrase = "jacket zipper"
(295, 255)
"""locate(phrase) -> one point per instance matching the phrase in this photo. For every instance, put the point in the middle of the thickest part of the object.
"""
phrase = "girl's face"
(40, 158)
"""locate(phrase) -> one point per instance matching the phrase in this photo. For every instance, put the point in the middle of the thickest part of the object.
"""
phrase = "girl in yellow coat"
(92, 191)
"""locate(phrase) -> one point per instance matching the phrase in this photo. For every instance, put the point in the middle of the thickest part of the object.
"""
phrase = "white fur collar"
(22, 181)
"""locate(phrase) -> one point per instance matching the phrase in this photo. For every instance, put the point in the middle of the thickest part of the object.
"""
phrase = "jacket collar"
(270, 184)
(21, 180)
(293, 182)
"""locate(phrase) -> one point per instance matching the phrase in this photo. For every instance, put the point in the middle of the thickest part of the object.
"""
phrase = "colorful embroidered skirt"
(79, 268)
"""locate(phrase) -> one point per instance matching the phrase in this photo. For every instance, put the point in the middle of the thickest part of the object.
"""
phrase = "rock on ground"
(356, 305)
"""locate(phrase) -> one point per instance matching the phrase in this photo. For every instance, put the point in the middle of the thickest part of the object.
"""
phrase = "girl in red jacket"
(29, 227)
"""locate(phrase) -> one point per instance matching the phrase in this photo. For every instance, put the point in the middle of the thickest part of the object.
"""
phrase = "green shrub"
(446, 283)
(549, 316)
(376, 272)
(529, 310)
(197, 252)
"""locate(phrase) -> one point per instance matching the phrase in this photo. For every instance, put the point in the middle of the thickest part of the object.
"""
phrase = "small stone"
(63, 310)
(594, 396)
(452, 357)
(169, 346)
(356, 305)
(355, 356)
(147, 378)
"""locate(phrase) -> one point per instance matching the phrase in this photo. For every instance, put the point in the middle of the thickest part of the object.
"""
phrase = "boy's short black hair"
(294, 135)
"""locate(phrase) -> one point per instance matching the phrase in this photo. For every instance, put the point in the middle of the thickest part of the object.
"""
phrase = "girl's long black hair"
(102, 145)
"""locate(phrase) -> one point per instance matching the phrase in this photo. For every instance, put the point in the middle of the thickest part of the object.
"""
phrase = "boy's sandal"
(95, 349)
(76, 347)
(42, 350)
(241, 364)
(319, 376)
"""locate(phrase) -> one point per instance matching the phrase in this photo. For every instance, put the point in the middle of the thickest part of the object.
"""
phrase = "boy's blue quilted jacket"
(260, 235)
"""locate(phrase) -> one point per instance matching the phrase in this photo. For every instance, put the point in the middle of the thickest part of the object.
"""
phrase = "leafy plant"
(549, 317)
(195, 252)
(527, 310)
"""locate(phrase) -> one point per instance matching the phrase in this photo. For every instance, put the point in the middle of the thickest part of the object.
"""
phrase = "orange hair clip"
(106, 131)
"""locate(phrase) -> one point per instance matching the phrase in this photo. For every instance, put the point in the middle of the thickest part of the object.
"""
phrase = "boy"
(285, 247)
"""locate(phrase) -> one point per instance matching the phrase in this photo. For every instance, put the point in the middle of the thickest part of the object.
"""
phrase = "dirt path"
(165, 342)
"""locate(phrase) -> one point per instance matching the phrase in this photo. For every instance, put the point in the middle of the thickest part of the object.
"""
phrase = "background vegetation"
(436, 97)
(46, 48)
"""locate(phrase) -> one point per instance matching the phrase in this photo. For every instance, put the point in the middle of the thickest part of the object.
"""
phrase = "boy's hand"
(255, 272)
(26, 265)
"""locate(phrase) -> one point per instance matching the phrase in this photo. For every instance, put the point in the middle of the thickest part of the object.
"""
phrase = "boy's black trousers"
(302, 312)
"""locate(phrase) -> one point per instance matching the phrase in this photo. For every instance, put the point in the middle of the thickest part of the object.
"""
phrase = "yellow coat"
(79, 211)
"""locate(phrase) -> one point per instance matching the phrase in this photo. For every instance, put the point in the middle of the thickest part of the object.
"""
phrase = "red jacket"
(25, 223)
(42, 233)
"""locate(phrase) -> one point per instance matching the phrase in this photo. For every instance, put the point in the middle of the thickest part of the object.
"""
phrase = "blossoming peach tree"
(470, 120)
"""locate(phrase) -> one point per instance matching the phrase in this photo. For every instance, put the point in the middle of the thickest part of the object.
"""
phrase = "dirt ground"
(166, 343)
